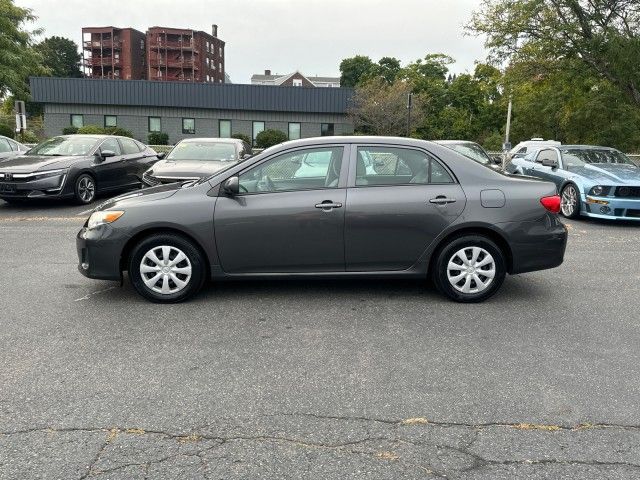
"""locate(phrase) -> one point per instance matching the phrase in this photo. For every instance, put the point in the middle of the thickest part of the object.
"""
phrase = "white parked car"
(528, 146)
(9, 148)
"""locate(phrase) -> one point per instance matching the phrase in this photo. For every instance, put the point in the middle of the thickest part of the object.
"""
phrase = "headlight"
(599, 191)
(101, 218)
(40, 174)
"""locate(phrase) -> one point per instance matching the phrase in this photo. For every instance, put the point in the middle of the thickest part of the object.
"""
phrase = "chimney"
(214, 30)
(267, 72)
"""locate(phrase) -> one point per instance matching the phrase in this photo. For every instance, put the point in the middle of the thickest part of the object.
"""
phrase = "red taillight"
(551, 203)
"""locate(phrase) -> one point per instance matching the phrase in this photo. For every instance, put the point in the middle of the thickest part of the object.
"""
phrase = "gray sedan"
(425, 210)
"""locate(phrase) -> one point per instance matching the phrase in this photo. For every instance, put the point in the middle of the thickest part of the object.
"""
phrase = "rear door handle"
(328, 205)
(442, 200)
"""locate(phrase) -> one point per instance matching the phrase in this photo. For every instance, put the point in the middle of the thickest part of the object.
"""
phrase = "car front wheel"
(85, 189)
(469, 269)
(570, 201)
(166, 268)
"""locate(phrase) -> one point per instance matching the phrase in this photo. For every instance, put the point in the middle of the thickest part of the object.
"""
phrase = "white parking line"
(89, 295)
(38, 219)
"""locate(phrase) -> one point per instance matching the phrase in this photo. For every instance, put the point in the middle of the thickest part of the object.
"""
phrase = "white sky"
(286, 35)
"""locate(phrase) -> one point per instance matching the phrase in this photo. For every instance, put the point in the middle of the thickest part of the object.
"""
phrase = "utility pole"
(507, 144)
(21, 118)
(409, 104)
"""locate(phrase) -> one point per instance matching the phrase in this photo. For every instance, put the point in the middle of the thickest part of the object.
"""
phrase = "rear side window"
(377, 166)
(129, 146)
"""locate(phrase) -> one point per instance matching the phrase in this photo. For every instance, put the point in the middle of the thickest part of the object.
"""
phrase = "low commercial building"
(184, 110)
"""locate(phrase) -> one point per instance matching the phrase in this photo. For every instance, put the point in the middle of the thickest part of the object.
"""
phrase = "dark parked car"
(435, 213)
(197, 158)
(75, 166)
(9, 148)
(598, 182)
(473, 151)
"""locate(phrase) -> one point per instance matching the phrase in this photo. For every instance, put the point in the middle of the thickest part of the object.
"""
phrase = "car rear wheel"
(570, 201)
(85, 189)
(166, 268)
(469, 269)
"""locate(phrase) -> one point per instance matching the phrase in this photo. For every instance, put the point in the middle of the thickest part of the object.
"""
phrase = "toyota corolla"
(429, 212)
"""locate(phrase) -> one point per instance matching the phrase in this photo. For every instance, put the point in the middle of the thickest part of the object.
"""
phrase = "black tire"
(576, 209)
(85, 189)
(194, 258)
(440, 269)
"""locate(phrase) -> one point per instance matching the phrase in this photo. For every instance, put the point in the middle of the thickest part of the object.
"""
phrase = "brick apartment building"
(175, 54)
(160, 54)
(110, 52)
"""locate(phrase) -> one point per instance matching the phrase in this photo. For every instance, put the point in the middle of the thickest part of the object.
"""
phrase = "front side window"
(110, 121)
(129, 146)
(257, 128)
(155, 125)
(225, 128)
(189, 125)
(294, 131)
(397, 166)
(326, 129)
(77, 121)
(62, 146)
(308, 169)
(112, 145)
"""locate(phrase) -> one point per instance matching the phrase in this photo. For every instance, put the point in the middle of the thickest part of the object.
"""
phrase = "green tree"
(353, 70)
(602, 34)
(18, 59)
(270, 137)
(388, 68)
(60, 55)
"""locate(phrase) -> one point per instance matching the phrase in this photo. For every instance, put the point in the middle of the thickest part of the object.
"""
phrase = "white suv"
(521, 149)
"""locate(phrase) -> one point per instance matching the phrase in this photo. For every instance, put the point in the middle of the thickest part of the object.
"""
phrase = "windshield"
(472, 151)
(57, 146)
(580, 157)
(204, 151)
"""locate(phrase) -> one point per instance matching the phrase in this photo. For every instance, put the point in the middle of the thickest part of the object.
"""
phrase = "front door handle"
(442, 200)
(328, 205)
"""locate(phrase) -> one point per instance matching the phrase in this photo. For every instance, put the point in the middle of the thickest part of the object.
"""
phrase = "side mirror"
(231, 186)
(161, 155)
(107, 153)
(246, 155)
(549, 162)
(497, 159)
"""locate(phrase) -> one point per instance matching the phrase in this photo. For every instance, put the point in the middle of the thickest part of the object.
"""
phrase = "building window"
(297, 82)
(208, 63)
(110, 121)
(224, 127)
(189, 125)
(294, 131)
(220, 66)
(155, 125)
(326, 129)
(77, 121)
(257, 128)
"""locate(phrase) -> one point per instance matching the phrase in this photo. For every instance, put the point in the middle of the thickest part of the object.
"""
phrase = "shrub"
(30, 137)
(118, 131)
(70, 130)
(158, 138)
(269, 138)
(91, 130)
(6, 130)
(242, 136)
(493, 142)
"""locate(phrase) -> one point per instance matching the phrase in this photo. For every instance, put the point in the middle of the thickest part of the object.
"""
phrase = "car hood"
(32, 163)
(188, 168)
(608, 173)
(140, 196)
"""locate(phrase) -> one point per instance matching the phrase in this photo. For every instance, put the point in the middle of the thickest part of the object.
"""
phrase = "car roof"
(585, 147)
(455, 142)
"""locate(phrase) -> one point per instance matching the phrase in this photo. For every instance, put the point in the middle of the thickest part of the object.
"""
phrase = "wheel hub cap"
(471, 270)
(165, 269)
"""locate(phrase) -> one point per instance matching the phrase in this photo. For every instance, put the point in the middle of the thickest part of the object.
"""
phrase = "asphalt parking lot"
(365, 379)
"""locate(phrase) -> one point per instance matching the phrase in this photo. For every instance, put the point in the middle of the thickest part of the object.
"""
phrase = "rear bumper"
(99, 253)
(537, 245)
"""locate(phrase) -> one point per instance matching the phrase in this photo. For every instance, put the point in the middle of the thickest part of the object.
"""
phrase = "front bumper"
(53, 186)
(610, 208)
(99, 252)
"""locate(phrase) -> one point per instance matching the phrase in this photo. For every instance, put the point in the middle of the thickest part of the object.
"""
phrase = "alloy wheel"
(165, 269)
(471, 270)
(86, 189)
(569, 201)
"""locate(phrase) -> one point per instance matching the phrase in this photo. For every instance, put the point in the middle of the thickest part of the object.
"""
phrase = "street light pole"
(507, 144)
(409, 103)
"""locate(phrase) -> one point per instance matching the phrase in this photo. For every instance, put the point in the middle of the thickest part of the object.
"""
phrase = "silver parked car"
(9, 148)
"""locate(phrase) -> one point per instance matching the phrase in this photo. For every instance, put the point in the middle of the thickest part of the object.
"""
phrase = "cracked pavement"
(317, 379)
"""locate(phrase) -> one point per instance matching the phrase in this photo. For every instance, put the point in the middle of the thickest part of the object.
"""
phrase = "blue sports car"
(593, 181)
